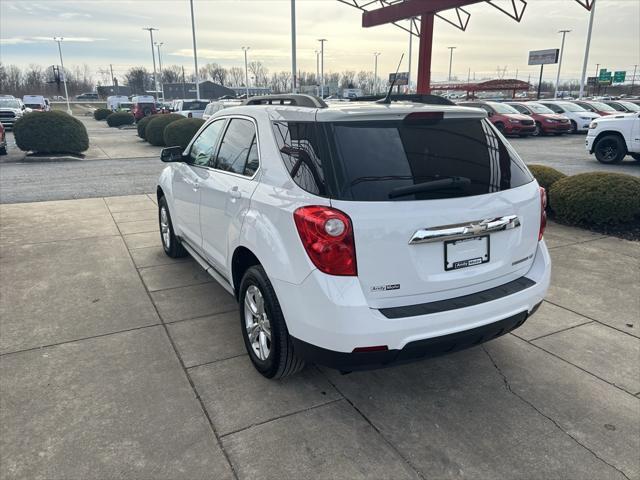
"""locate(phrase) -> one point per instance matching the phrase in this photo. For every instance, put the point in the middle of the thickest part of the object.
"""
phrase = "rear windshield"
(194, 105)
(386, 160)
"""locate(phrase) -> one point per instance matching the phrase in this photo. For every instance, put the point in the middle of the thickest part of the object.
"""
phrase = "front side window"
(520, 108)
(203, 148)
(238, 152)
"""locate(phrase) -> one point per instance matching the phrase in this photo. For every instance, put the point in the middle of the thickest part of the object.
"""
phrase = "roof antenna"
(387, 100)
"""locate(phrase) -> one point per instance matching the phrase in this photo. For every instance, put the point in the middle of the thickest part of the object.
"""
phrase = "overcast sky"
(105, 32)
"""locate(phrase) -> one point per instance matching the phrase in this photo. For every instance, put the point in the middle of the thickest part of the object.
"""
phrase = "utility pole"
(294, 83)
(246, 70)
(564, 34)
(153, 56)
(114, 82)
(633, 79)
(410, 53)
(375, 73)
(540, 81)
(586, 50)
(184, 85)
(195, 51)
(317, 72)
(322, 40)
(158, 45)
(64, 75)
(451, 49)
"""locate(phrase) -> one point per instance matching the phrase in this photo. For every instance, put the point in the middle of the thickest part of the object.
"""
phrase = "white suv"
(358, 235)
(612, 137)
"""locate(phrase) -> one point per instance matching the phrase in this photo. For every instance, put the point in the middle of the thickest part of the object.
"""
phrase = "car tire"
(3, 150)
(574, 127)
(270, 347)
(538, 131)
(170, 243)
(500, 127)
(610, 149)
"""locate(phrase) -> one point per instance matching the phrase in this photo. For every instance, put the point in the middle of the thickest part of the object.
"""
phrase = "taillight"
(190, 115)
(327, 236)
(543, 212)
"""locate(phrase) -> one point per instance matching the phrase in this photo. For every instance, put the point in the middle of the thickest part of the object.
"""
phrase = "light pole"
(564, 34)
(64, 76)
(586, 49)
(322, 40)
(451, 49)
(158, 45)
(375, 72)
(195, 52)
(317, 52)
(246, 70)
(153, 55)
(293, 47)
(410, 54)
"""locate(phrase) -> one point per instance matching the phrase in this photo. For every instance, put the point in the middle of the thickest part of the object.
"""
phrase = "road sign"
(592, 81)
(619, 77)
(403, 78)
(543, 57)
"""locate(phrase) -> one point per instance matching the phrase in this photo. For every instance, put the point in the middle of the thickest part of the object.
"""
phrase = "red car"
(143, 109)
(547, 121)
(3, 141)
(506, 118)
(596, 107)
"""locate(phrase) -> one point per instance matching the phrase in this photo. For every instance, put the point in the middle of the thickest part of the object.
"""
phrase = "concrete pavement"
(119, 362)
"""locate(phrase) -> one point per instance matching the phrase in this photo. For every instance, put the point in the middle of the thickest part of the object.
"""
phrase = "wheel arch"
(607, 133)
(241, 261)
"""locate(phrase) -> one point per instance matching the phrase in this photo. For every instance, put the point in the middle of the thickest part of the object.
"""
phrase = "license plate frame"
(469, 262)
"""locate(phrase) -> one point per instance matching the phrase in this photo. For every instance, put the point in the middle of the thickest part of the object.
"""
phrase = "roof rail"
(294, 99)
(415, 97)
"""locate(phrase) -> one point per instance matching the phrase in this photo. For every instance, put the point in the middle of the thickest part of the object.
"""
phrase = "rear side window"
(299, 144)
(385, 160)
(238, 152)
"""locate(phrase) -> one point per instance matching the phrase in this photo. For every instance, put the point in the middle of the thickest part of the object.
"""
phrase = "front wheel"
(500, 127)
(538, 130)
(264, 330)
(610, 149)
(574, 127)
(171, 245)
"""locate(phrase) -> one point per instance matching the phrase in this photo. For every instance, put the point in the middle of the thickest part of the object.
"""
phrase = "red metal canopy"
(380, 12)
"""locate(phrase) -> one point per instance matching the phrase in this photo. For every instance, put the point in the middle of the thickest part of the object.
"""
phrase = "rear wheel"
(264, 330)
(171, 245)
(3, 150)
(500, 127)
(610, 149)
(574, 127)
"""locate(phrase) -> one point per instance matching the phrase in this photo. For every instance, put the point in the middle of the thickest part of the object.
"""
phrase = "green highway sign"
(618, 77)
(604, 73)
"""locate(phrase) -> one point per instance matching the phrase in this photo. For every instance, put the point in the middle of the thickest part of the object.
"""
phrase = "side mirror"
(171, 154)
(489, 114)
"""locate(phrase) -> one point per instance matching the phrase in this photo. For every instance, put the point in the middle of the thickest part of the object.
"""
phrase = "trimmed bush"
(155, 128)
(101, 113)
(546, 177)
(50, 132)
(597, 199)
(120, 118)
(142, 126)
(181, 132)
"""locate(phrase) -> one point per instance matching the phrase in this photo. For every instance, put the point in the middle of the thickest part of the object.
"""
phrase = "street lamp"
(375, 72)
(64, 76)
(317, 52)
(153, 55)
(294, 77)
(195, 53)
(322, 40)
(451, 49)
(158, 45)
(246, 69)
(564, 34)
(586, 49)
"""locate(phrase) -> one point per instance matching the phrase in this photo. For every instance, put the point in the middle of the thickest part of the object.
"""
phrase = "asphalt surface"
(32, 180)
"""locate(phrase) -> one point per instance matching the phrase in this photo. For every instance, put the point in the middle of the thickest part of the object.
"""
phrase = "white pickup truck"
(612, 137)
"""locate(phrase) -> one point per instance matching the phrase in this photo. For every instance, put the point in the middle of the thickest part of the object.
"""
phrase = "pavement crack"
(507, 386)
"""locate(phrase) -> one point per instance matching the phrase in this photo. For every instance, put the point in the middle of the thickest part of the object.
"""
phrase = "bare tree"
(347, 79)
(138, 79)
(236, 76)
(259, 72)
(172, 74)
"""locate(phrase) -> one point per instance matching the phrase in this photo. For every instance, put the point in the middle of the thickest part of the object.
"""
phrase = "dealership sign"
(543, 57)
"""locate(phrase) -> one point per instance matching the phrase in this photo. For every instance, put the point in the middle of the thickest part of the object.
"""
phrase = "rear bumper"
(332, 313)
(417, 350)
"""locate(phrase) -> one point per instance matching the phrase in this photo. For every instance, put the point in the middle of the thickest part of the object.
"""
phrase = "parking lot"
(120, 362)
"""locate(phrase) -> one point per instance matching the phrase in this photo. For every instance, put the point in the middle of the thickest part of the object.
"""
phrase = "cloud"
(28, 40)
(70, 15)
(14, 41)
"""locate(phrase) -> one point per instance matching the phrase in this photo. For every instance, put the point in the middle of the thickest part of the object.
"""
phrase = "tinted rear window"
(367, 161)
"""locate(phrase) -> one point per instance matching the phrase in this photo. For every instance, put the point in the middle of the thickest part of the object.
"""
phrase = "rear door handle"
(234, 193)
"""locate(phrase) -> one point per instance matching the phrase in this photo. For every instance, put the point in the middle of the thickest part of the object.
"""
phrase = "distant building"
(208, 90)
(253, 91)
(108, 90)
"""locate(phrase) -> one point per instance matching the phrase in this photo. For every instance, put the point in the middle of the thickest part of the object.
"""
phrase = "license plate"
(466, 253)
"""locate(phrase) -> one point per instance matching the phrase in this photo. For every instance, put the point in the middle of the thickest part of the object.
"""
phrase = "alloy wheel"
(257, 323)
(608, 150)
(164, 228)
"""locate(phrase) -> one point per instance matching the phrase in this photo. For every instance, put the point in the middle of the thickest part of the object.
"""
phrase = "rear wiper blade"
(440, 184)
